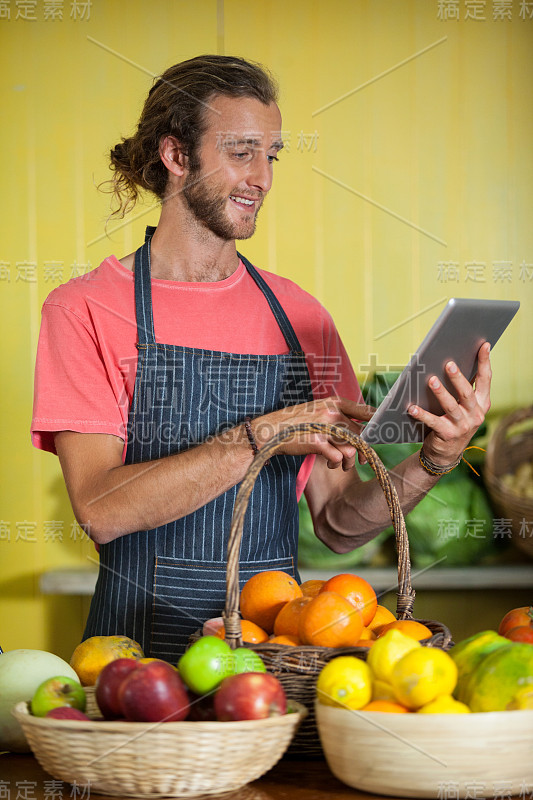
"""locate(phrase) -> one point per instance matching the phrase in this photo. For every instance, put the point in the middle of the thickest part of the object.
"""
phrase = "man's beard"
(209, 207)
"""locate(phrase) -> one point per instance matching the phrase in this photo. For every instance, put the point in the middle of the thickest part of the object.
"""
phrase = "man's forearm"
(361, 512)
(111, 499)
(133, 497)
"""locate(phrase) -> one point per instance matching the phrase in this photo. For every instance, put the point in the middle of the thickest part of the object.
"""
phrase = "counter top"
(22, 777)
(512, 576)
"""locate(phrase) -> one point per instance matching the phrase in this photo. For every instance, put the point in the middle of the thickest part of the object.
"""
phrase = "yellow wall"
(408, 146)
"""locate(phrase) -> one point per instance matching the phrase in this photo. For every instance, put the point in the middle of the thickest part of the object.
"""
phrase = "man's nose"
(260, 174)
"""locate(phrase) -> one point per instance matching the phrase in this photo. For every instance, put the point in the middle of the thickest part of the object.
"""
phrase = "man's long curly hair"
(176, 106)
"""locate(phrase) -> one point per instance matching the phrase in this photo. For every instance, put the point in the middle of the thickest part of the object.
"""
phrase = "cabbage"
(314, 553)
(453, 522)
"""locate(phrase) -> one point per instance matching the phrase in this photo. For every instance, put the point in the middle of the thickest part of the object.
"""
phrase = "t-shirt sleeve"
(72, 390)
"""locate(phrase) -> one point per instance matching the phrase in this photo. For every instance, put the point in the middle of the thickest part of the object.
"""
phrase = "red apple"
(249, 695)
(212, 625)
(154, 693)
(108, 683)
(67, 712)
(201, 708)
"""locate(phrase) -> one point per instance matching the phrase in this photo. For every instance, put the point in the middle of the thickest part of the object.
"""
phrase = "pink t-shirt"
(87, 359)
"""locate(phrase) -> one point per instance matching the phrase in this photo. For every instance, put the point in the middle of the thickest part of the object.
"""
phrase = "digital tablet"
(457, 335)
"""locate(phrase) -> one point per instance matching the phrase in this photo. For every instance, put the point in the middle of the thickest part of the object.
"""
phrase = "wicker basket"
(297, 667)
(430, 755)
(508, 449)
(171, 759)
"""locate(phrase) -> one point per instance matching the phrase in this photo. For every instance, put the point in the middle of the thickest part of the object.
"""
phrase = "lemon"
(444, 704)
(504, 680)
(422, 675)
(382, 691)
(387, 650)
(469, 653)
(346, 681)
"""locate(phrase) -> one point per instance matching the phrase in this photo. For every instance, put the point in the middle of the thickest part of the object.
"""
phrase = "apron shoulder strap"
(143, 292)
(277, 309)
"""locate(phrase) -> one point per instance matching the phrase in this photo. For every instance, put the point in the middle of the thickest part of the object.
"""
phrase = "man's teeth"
(242, 200)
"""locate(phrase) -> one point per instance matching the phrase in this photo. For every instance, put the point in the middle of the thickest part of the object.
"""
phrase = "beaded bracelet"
(436, 469)
(251, 438)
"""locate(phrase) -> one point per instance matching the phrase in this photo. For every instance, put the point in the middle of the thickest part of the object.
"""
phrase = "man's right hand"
(111, 499)
(343, 413)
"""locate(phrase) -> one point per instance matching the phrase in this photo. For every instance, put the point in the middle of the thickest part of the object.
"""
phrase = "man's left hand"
(451, 432)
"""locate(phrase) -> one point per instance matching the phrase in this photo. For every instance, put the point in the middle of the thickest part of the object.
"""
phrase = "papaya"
(469, 653)
(503, 681)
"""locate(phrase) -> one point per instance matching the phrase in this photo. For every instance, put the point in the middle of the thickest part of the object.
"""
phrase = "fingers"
(484, 376)
(356, 411)
(452, 431)
(342, 413)
(467, 399)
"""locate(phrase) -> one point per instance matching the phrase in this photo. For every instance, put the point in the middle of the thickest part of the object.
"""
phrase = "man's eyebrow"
(251, 142)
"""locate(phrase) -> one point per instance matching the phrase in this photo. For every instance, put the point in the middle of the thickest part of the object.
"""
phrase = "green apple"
(206, 663)
(246, 660)
(56, 693)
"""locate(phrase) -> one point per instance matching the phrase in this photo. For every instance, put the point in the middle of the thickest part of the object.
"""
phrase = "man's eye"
(241, 156)
(272, 158)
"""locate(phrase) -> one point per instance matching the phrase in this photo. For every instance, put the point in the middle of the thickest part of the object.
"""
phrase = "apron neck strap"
(143, 297)
(143, 291)
(277, 309)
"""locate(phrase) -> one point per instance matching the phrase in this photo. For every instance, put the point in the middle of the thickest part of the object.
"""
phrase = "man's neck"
(182, 251)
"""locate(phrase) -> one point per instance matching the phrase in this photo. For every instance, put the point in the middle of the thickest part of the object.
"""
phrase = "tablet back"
(457, 335)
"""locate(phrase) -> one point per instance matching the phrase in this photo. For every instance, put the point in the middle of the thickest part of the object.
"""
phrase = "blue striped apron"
(158, 586)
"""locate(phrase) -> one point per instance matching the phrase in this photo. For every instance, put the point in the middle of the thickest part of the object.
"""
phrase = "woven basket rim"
(313, 648)
(296, 711)
(490, 716)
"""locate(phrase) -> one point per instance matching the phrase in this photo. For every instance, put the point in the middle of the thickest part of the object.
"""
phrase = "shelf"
(512, 576)
(81, 582)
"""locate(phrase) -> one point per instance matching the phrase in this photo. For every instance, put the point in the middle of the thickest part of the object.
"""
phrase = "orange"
(91, 656)
(408, 626)
(330, 620)
(355, 589)
(285, 639)
(364, 643)
(311, 587)
(385, 705)
(367, 633)
(251, 632)
(287, 620)
(382, 617)
(264, 595)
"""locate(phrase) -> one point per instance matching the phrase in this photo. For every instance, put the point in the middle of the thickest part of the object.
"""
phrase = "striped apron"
(158, 586)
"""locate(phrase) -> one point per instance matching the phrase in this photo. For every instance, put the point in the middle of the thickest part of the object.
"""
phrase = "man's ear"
(173, 155)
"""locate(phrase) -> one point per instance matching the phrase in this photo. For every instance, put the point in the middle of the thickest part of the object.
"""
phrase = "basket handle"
(405, 594)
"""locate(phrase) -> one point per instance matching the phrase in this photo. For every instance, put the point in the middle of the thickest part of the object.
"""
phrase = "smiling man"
(160, 374)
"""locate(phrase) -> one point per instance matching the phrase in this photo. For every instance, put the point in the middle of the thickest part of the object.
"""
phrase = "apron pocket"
(188, 592)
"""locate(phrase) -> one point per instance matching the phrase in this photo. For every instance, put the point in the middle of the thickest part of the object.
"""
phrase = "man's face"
(236, 158)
